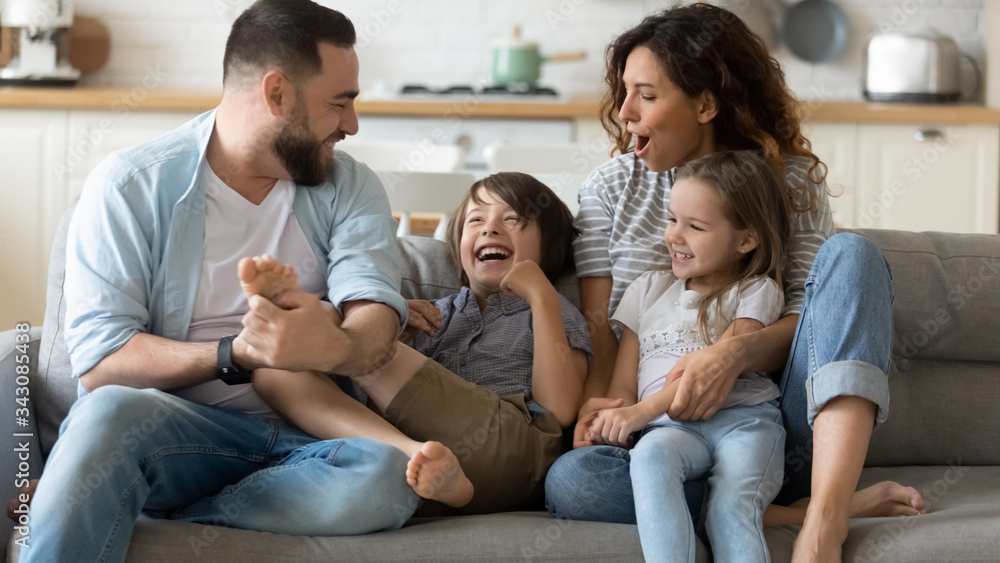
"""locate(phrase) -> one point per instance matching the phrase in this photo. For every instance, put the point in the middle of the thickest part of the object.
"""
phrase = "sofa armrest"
(17, 441)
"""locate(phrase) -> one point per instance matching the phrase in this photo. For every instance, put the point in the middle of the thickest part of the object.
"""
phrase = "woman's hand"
(707, 376)
(615, 426)
(424, 317)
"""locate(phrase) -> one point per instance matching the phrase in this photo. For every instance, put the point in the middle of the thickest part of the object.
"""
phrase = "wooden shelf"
(577, 107)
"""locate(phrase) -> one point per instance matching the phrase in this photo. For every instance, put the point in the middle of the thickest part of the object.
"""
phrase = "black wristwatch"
(225, 369)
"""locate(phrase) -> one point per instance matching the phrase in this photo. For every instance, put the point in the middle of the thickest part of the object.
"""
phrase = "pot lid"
(514, 42)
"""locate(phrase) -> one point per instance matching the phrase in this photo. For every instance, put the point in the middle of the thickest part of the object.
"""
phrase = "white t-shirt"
(664, 314)
(234, 229)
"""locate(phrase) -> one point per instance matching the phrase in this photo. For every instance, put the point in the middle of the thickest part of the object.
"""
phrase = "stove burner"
(464, 89)
(530, 90)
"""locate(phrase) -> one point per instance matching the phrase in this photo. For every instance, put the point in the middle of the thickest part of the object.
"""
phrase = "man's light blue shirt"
(136, 241)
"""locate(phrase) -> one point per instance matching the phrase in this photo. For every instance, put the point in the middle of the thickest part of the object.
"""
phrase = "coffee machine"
(40, 42)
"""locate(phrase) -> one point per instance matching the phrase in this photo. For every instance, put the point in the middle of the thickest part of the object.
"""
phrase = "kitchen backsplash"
(443, 42)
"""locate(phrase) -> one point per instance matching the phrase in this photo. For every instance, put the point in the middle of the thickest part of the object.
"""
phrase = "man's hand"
(16, 503)
(588, 412)
(424, 317)
(527, 281)
(616, 426)
(707, 376)
(295, 333)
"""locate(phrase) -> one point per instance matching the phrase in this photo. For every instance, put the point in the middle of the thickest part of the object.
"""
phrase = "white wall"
(444, 42)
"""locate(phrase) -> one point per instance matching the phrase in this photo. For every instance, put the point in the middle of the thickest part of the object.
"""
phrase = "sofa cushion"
(940, 412)
(961, 523)
(512, 536)
(58, 389)
(947, 288)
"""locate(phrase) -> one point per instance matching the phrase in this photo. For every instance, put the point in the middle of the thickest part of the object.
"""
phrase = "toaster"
(919, 68)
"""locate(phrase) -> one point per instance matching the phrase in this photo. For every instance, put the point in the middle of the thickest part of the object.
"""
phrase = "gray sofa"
(943, 435)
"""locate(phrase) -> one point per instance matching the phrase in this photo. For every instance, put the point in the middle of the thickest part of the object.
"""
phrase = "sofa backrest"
(945, 379)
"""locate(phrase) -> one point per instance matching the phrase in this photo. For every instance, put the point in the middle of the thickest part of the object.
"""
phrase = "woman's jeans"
(842, 346)
(740, 450)
(123, 451)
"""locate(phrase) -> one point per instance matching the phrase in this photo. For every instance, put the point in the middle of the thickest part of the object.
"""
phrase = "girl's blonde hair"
(753, 197)
(532, 201)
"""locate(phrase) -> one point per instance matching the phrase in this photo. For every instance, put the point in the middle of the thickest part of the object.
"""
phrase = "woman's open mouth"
(640, 144)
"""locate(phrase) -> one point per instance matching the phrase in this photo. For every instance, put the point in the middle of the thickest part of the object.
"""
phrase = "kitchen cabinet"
(472, 134)
(46, 156)
(911, 177)
(33, 195)
(836, 146)
(928, 178)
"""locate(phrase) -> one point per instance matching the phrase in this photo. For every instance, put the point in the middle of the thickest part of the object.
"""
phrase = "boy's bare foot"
(265, 276)
(434, 473)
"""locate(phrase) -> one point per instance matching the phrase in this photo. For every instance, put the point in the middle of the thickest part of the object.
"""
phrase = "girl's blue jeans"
(740, 450)
(123, 451)
(842, 347)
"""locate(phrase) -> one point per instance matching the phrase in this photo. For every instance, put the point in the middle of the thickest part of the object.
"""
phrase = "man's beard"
(299, 153)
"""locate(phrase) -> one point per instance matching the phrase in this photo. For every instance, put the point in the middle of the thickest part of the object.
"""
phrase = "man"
(171, 425)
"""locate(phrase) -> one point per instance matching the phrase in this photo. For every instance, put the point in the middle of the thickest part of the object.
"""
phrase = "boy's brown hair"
(532, 201)
(753, 197)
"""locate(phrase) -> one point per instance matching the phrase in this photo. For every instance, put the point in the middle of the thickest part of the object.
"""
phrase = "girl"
(727, 232)
(495, 373)
(684, 83)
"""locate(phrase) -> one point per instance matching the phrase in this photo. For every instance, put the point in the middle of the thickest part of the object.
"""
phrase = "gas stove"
(466, 90)
(483, 93)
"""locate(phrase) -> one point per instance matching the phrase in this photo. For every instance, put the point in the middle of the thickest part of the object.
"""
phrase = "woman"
(682, 84)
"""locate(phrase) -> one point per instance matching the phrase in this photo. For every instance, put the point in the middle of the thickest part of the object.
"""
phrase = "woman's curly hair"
(703, 47)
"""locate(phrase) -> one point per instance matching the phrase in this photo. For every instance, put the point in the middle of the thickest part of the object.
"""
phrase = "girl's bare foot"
(265, 276)
(434, 473)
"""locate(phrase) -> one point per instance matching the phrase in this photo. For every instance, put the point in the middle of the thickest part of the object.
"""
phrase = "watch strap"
(225, 369)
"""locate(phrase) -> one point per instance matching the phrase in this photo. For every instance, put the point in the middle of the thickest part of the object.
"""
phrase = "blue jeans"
(740, 450)
(842, 346)
(122, 451)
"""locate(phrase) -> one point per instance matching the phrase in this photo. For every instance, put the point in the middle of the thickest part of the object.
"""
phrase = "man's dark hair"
(283, 34)
(532, 201)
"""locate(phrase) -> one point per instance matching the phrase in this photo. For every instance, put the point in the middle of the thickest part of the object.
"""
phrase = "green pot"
(520, 63)
(517, 64)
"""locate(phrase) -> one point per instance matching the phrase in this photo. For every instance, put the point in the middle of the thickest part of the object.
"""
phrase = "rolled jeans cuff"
(852, 378)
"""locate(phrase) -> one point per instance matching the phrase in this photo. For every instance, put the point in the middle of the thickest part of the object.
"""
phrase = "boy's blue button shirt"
(496, 348)
(136, 241)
